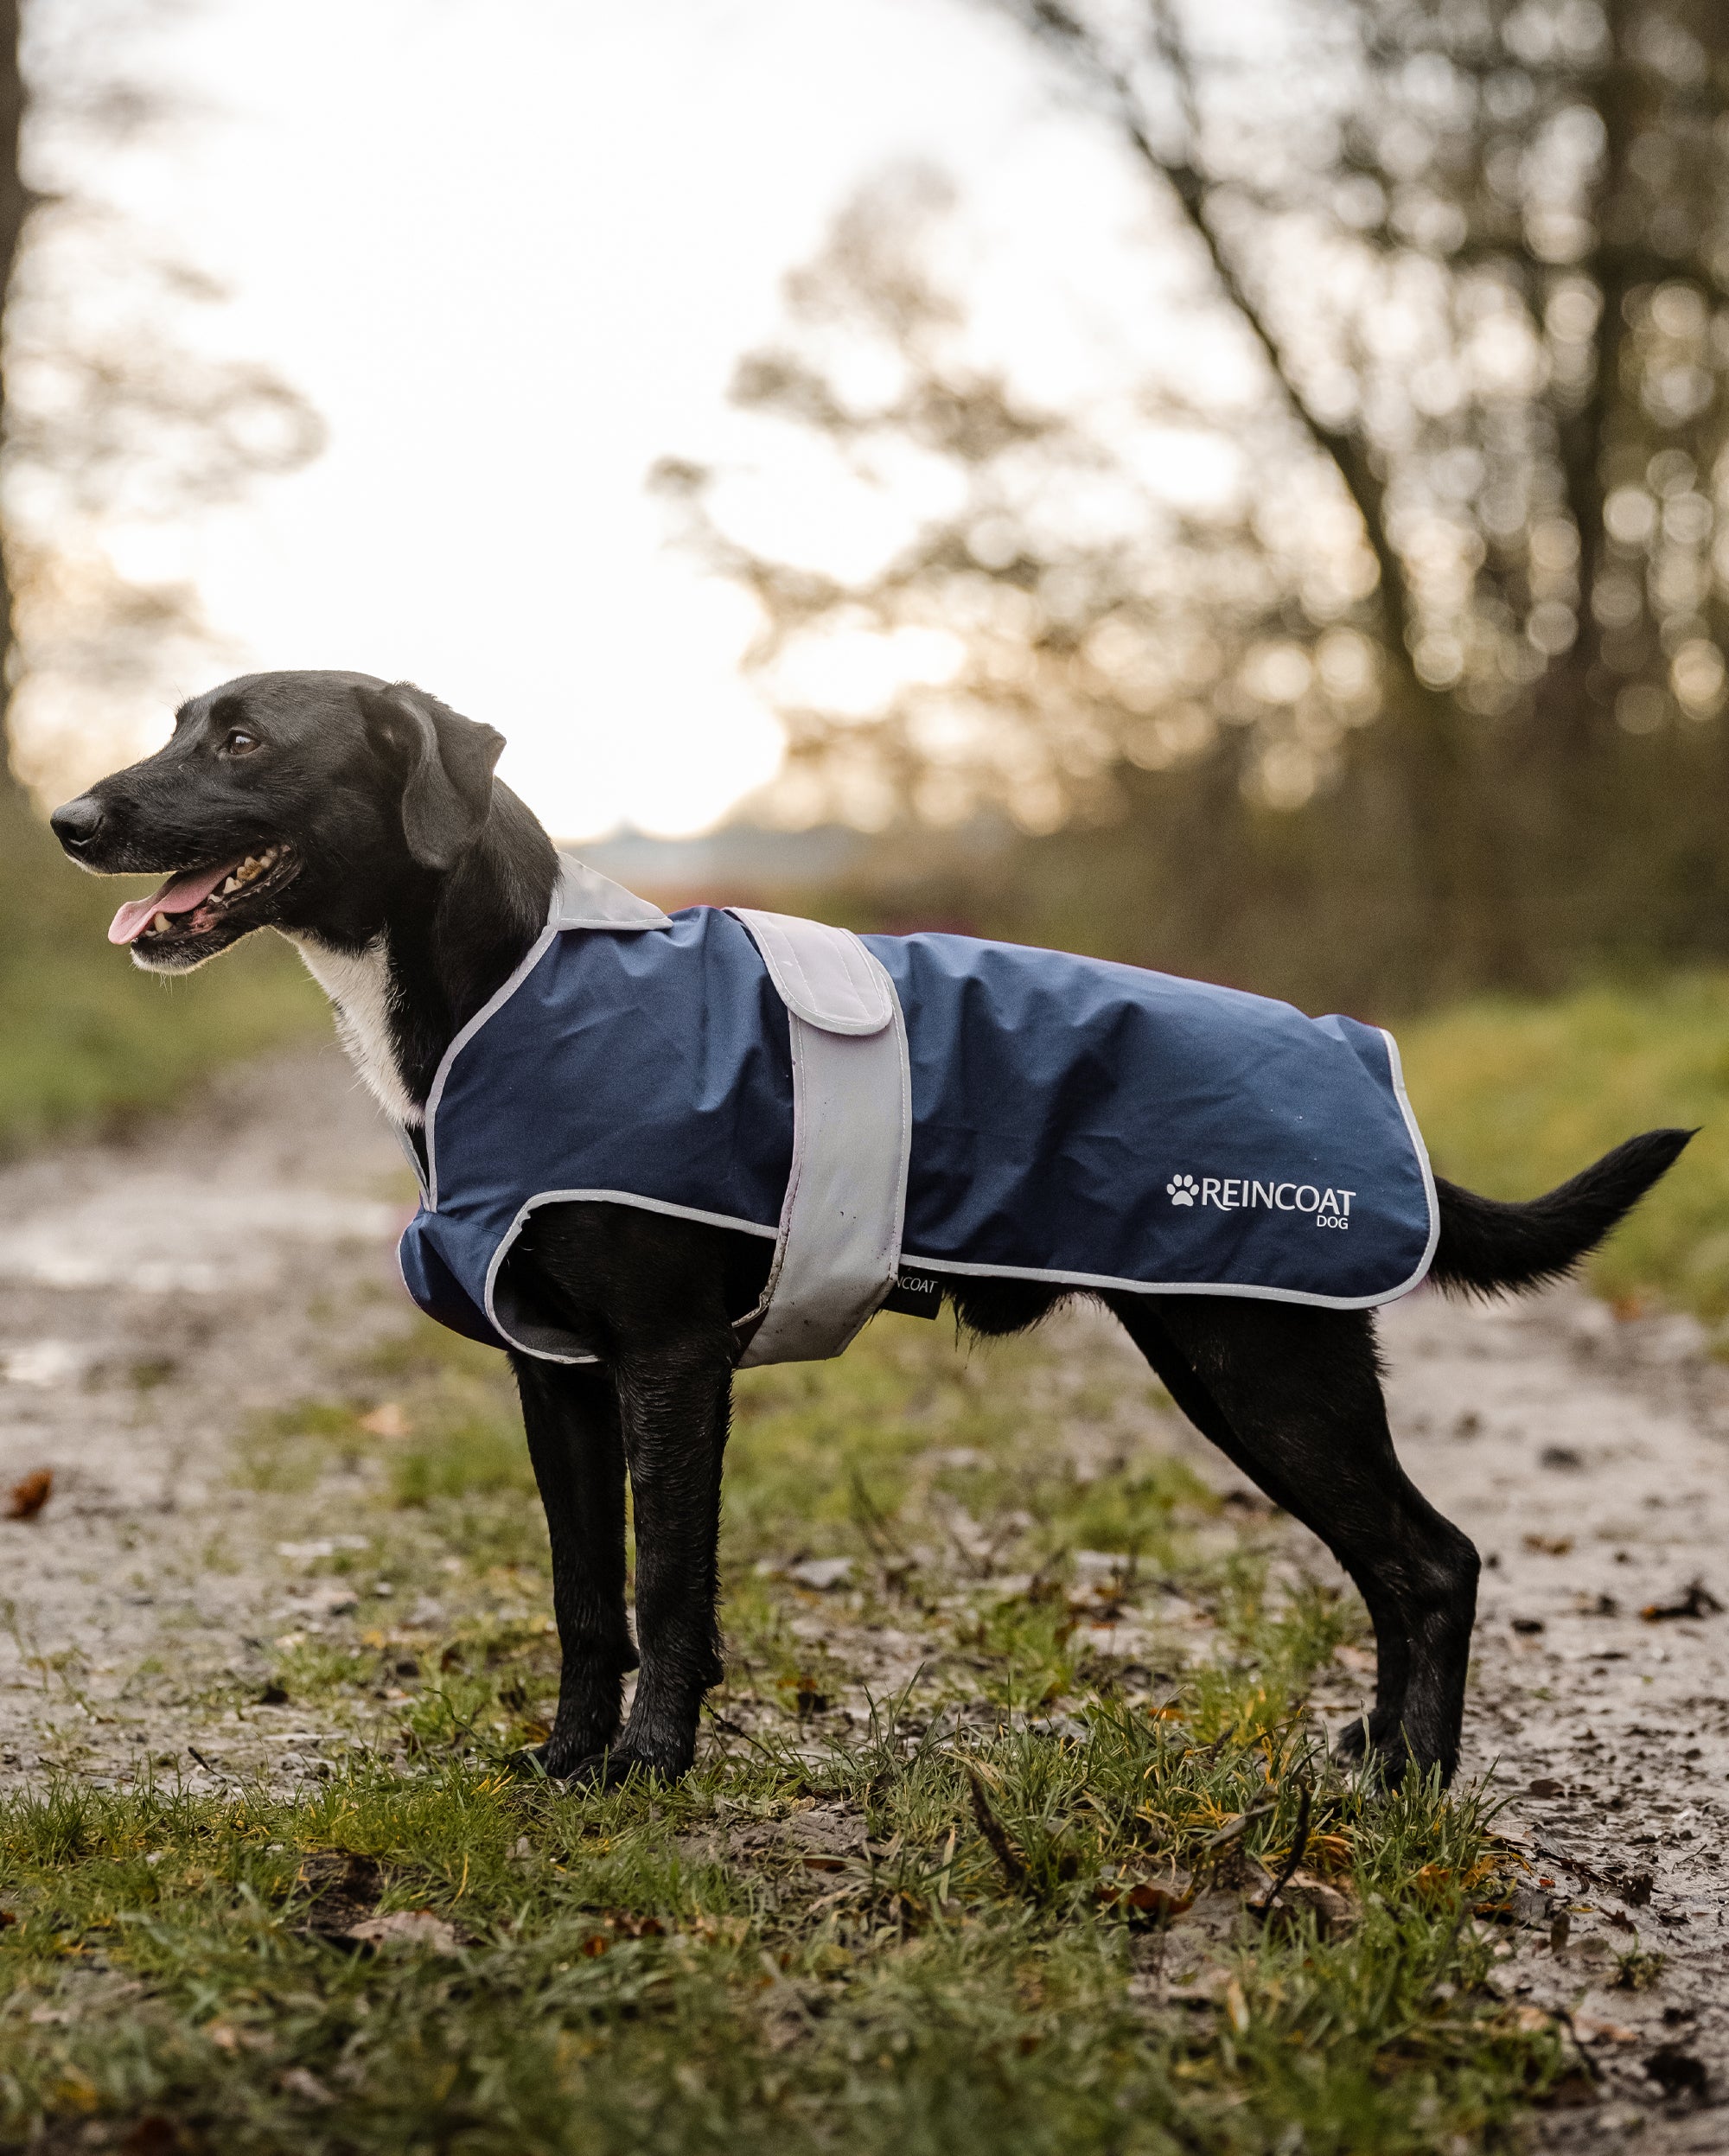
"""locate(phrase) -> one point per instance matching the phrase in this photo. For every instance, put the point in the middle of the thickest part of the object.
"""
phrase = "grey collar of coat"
(584, 898)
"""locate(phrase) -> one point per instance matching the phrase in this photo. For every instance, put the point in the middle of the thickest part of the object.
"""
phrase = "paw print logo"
(1183, 1190)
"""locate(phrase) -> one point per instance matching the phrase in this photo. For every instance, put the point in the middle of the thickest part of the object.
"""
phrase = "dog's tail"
(1488, 1248)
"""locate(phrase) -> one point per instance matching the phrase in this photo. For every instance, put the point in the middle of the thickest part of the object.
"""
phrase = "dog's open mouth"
(194, 901)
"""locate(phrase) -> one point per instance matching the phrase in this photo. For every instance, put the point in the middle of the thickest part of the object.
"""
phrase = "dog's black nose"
(77, 823)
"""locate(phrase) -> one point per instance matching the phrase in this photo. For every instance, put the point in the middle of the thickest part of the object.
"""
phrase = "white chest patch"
(358, 984)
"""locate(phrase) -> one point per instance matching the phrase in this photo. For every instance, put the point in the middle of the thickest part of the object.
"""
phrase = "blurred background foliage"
(111, 408)
(1421, 692)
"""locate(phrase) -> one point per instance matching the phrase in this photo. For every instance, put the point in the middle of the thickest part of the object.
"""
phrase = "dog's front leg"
(570, 1413)
(674, 1407)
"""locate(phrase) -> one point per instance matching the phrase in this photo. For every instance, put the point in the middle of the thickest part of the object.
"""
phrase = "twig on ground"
(1299, 1846)
(992, 1827)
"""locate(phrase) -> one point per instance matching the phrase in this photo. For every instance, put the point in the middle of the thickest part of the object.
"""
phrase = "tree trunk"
(14, 203)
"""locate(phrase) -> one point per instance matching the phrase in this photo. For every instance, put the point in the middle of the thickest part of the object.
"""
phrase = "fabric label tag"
(915, 1295)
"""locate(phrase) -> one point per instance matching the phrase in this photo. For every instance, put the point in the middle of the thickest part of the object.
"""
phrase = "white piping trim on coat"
(911, 1262)
(555, 927)
(1422, 1151)
(601, 1197)
(537, 951)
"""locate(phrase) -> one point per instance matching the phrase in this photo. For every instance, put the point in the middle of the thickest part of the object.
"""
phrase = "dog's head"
(296, 801)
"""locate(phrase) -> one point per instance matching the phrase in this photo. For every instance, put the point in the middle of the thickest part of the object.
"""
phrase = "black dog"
(363, 821)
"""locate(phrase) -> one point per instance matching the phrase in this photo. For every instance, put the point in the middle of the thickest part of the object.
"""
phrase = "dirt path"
(1586, 1459)
(156, 1294)
(153, 1297)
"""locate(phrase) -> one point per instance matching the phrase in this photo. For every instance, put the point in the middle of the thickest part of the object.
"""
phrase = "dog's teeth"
(161, 922)
(233, 884)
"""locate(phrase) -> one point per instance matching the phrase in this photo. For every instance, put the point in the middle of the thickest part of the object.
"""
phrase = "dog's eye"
(238, 742)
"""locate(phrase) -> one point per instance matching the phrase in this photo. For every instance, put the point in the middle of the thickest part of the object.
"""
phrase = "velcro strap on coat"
(825, 975)
(839, 1241)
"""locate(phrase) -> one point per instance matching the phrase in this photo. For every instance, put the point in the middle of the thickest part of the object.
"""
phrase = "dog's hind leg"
(570, 1413)
(1293, 1395)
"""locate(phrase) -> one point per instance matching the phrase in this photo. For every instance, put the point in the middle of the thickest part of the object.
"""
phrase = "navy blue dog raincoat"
(984, 1109)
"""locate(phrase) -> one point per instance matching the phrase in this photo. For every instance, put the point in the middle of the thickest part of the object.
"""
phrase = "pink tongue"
(179, 895)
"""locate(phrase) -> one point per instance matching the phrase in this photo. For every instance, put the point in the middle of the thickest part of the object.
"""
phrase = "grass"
(618, 1980)
(1514, 1097)
(88, 1040)
(927, 1890)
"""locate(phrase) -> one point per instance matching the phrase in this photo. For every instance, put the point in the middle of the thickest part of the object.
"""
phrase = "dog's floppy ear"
(447, 760)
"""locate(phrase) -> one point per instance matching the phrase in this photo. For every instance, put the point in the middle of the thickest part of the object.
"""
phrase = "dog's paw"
(1182, 1190)
(612, 1769)
(558, 1759)
(1381, 1757)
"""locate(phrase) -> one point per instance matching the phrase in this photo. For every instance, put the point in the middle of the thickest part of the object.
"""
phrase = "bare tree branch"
(1189, 187)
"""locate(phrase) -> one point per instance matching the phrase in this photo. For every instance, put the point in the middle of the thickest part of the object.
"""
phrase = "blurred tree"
(1480, 251)
(116, 417)
(12, 206)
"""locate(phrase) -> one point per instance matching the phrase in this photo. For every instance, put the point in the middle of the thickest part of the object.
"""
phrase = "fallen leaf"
(405, 1927)
(1151, 1904)
(387, 1421)
(297, 2082)
(825, 1831)
(1528, 1626)
(1332, 1907)
(1236, 2007)
(151, 2135)
(1694, 1600)
(1549, 1545)
(223, 2034)
(1574, 2091)
(29, 1495)
(622, 1923)
(1596, 2031)
(343, 1886)
(1546, 1785)
(821, 1573)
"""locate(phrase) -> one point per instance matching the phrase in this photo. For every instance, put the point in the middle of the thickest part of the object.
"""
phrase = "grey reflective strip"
(584, 898)
(400, 1132)
(840, 1227)
(825, 975)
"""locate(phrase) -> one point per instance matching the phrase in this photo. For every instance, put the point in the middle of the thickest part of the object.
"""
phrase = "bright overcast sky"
(511, 253)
